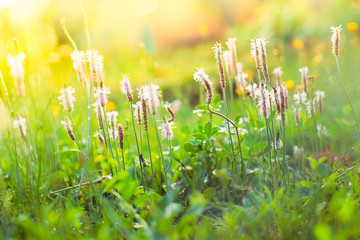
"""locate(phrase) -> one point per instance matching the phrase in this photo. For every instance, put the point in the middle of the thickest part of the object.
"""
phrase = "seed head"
(251, 88)
(319, 97)
(96, 66)
(141, 93)
(255, 52)
(126, 88)
(68, 128)
(278, 142)
(170, 111)
(152, 94)
(300, 97)
(262, 95)
(166, 130)
(201, 76)
(286, 97)
(304, 71)
(297, 153)
(112, 134)
(228, 64)
(101, 94)
(17, 71)
(297, 115)
(310, 108)
(79, 64)
(276, 100)
(100, 137)
(240, 77)
(112, 118)
(265, 70)
(99, 114)
(232, 47)
(218, 55)
(67, 99)
(282, 94)
(20, 123)
(138, 113)
(121, 135)
(335, 39)
(278, 74)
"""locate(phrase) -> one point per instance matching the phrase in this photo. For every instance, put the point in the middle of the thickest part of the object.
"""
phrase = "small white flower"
(166, 130)
(67, 99)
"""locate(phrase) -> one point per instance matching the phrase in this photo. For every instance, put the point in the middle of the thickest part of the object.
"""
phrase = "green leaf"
(256, 148)
(208, 128)
(189, 147)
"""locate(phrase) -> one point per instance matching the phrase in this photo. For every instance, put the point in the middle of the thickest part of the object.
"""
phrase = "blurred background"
(169, 37)
(163, 40)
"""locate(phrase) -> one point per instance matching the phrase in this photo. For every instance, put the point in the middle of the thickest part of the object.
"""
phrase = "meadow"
(234, 137)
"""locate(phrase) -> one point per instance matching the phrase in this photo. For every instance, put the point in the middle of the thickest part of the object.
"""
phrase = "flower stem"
(151, 162)
(161, 153)
(228, 124)
(353, 112)
(238, 138)
(136, 139)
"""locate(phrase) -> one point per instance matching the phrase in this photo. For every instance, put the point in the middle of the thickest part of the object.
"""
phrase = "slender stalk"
(123, 158)
(272, 131)
(269, 143)
(238, 138)
(89, 102)
(257, 116)
(88, 137)
(228, 124)
(229, 130)
(161, 154)
(171, 154)
(136, 140)
(151, 162)
(284, 155)
(301, 151)
(353, 112)
(117, 155)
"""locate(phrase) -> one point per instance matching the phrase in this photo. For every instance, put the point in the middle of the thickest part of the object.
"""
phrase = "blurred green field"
(162, 42)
